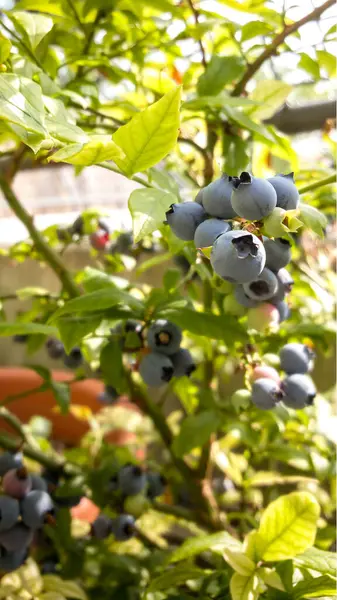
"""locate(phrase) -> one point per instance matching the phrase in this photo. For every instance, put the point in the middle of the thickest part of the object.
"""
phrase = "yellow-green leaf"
(288, 526)
(313, 218)
(148, 208)
(244, 588)
(33, 26)
(5, 48)
(239, 562)
(89, 153)
(21, 103)
(51, 596)
(271, 578)
(271, 94)
(69, 589)
(150, 135)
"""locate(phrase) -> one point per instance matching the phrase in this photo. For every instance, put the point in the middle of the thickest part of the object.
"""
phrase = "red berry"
(264, 371)
(17, 483)
(99, 240)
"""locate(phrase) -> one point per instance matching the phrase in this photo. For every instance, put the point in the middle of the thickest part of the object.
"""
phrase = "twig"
(21, 43)
(196, 19)
(76, 15)
(110, 167)
(51, 257)
(318, 184)
(13, 397)
(277, 41)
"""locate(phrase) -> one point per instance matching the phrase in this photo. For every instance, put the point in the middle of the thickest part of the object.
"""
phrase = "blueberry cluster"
(254, 264)
(136, 488)
(296, 390)
(99, 239)
(56, 351)
(25, 506)
(165, 358)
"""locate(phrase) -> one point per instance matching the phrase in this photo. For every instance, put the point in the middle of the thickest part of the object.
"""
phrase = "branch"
(318, 184)
(14, 444)
(303, 118)
(272, 47)
(110, 167)
(51, 257)
(196, 20)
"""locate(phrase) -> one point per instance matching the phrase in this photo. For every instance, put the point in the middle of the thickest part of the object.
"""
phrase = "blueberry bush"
(227, 488)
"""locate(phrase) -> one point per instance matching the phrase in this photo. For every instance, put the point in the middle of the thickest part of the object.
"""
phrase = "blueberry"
(17, 483)
(242, 298)
(49, 566)
(207, 232)
(55, 348)
(9, 512)
(155, 485)
(109, 396)
(266, 393)
(238, 256)
(101, 528)
(123, 244)
(9, 460)
(262, 287)
(299, 391)
(77, 228)
(20, 338)
(16, 538)
(253, 198)
(216, 198)
(199, 196)
(10, 561)
(63, 234)
(262, 318)
(284, 310)
(184, 219)
(285, 285)
(278, 253)
(156, 369)
(286, 191)
(130, 333)
(265, 372)
(39, 483)
(296, 358)
(123, 527)
(35, 507)
(164, 337)
(183, 363)
(131, 480)
(74, 359)
(99, 240)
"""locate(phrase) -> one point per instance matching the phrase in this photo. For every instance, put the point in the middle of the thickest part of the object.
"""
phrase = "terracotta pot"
(66, 428)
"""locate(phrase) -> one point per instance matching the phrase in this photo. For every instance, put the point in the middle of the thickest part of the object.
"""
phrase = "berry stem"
(317, 184)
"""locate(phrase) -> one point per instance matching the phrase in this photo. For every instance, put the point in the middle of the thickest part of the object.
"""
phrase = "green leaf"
(271, 94)
(89, 153)
(313, 218)
(244, 587)
(73, 329)
(219, 71)
(69, 589)
(319, 560)
(148, 208)
(150, 135)
(8, 329)
(239, 562)
(327, 61)
(94, 279)
(271, 578)
(244, 121)
(99, 300)
(207, 324)
(52, 7)
(315, 588)
(61, 392)
(195, 431)
(51, 596)
(216, 542)
(5, 48)
(254, 29)
(111, 363)
(33, 26)
(21, 103)
(175, 576)
(288, 526)
(219, 101)
(309, 65)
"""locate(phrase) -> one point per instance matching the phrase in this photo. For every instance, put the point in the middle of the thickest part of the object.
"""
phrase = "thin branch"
(23, 45)
(270, 50)
(110, 167)
(76, 15)
(24, 394)
(51, 257)
(196, 20)
(317, 184)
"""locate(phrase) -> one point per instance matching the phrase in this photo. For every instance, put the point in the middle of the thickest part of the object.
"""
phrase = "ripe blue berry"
(285, 285)
(278, 253)
(266, 393)
(38, 483)
(123, 527)
(109, 396)
(9, 512)
(183, 363)
(263, 287)
(35, 507)
(184, 219)
(207, 232)
(156, 369)
(284, 310)
(216, 198)
(55, 348)
(10, 561)
(299, 391)
(9, 461)
(74, 359)
(101, 528)
(242, 298)
(296, 358)
(131, 480)
(286, 191)
(155, 485)
(238, 256)
(199, 196)
(17, 483)
(253, 198)
(16, 538)
(164, 337)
